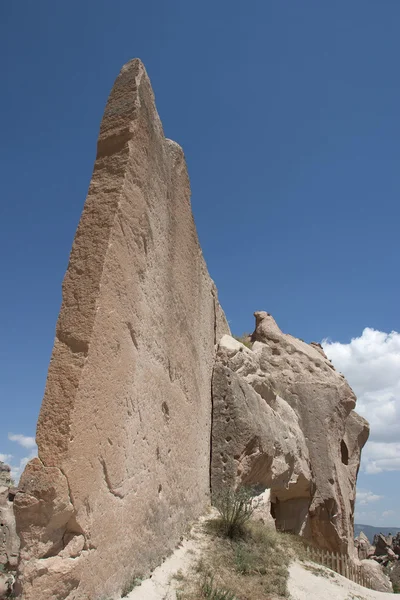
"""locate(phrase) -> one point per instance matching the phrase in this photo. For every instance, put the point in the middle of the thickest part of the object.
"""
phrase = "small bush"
(244, 339)
(235, 508)
(211, 592)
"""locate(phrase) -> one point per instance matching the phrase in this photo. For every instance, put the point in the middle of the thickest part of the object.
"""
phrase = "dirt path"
(162, 585)
(312, 583)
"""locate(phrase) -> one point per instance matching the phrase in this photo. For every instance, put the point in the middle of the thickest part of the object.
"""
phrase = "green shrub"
(235, 508)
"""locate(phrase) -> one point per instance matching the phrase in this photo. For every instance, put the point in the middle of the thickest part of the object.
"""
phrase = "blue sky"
(288, 113)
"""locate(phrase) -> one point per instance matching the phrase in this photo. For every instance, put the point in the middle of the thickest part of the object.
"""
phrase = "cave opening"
(345, 452)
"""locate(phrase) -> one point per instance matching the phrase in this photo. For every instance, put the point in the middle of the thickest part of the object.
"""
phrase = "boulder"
(395, 575)
(396, 543)
(382, 543)
(363, 546)
(9, 541)
(5, 475)
(297, 385)
(124, 429)
(379, 580)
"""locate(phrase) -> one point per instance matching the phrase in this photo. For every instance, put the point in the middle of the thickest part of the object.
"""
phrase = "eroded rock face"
(9, 542)
(256, 437)
(295, 382)
(5, 475)
(124, 429)
(379, 580)
(362, 546)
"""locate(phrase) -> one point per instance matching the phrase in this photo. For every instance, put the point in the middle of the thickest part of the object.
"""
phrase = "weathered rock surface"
(9, 542)
(256, 437)
(124, 429)
(385, 551)
(362, 546)
(305, 430)
(379, 580)
(5, 475)
(382, 544)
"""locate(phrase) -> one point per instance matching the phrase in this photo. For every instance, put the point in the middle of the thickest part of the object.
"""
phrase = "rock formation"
(384, 550)
(363, 547)
(5, 475)
(284, 419)
(256, 437)
(9, 542)
(124, 429)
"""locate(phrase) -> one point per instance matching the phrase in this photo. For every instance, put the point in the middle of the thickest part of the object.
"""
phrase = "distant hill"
(371, 531)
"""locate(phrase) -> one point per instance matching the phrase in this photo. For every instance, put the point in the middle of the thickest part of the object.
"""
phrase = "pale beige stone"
(379, 580)
(256, 438)
(282, 376)
(124, 429)
(363, 546)
(9, 542)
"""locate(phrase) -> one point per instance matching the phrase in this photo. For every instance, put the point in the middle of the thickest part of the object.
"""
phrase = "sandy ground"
(304, 584)
(306, 581)
(162, 585)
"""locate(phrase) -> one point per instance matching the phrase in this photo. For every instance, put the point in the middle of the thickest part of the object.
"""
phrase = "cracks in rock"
(215, 313)
(111, 489)
(211, 430)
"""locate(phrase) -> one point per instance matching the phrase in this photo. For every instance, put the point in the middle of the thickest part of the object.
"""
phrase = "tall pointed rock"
(124, 428)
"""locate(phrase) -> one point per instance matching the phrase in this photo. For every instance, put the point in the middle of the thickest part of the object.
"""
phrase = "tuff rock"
(5, 475)
(124, 429)
(126, 445)
(385, 551)
(9, 541)
(284, 419)
(363, 546)
(380, 581)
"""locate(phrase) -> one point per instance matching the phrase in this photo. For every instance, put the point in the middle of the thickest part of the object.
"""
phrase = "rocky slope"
(384, 550)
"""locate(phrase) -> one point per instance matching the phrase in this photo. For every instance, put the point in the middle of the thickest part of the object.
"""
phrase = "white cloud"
(371, 364)
(5, 458)
(22, 440)
(388, 513)
(366, 497)
(18, 465)
(16, 470)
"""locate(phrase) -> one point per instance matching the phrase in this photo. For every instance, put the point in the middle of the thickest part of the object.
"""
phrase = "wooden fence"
(339, 563)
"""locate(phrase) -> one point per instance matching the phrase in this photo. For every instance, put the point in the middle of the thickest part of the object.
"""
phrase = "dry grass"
(244, 339)
(253, 566)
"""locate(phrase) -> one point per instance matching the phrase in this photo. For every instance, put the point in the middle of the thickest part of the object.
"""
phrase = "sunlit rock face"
(124, 428)
(284, 419)
(9, 541)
